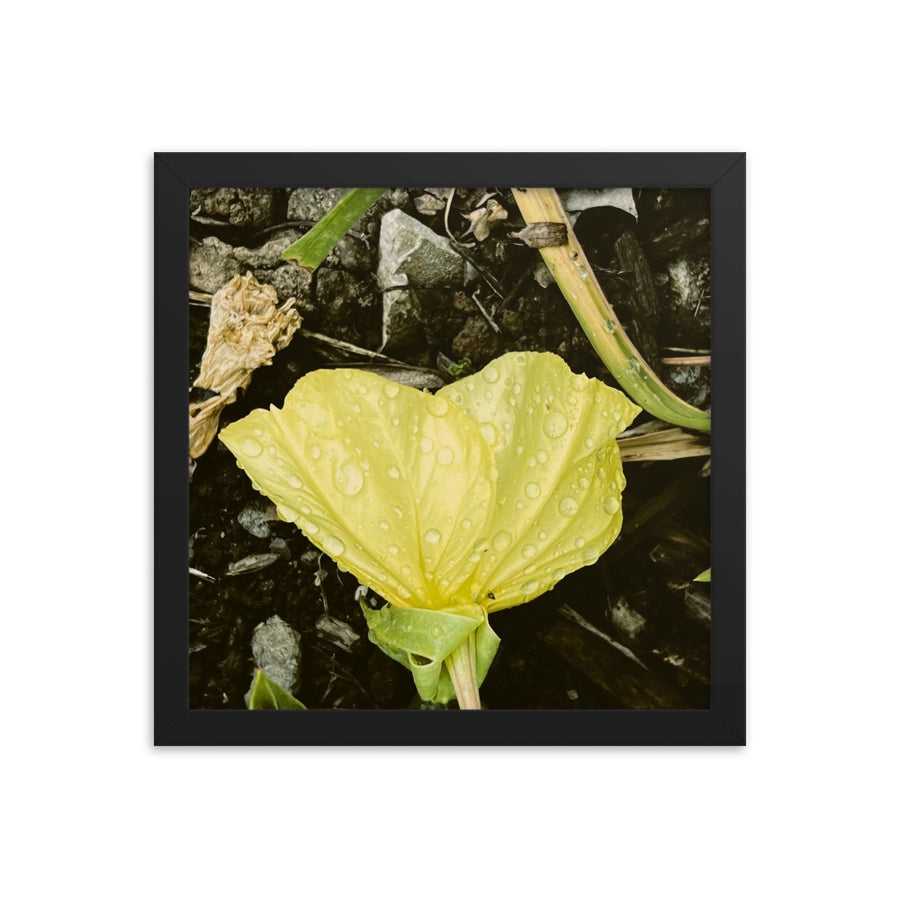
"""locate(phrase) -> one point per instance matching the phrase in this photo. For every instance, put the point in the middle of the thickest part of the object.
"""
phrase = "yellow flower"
(478, 498)
(488, 492)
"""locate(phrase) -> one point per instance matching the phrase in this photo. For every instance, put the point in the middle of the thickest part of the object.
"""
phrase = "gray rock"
(254, 520)
(276, 650)
(477, 342)
(268, 256)
(310, 204)
(336, 631)
(289, 281)
(352, 254)
(401, 326)
(212, 265)
(350, 310)
(236, 206)
(412, 255)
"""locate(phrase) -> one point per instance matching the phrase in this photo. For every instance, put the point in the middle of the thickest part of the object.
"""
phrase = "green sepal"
(704, 576)
(311, 250)
(267, 694)
(422, 639)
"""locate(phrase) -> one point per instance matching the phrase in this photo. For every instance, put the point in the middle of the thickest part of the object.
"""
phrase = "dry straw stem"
(668, 443)
(579, 285)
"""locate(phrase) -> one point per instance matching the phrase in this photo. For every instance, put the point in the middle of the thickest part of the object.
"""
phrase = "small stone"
(310, 204)
(697, 604)
(212, 265)
(336, 632)
(477, 341)
(276, 650)
(237, 206)
(253, 519)
(412, 255)
(629, 622)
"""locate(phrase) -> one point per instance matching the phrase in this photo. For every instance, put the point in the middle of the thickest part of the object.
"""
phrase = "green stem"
(569, 266)
(464, 675)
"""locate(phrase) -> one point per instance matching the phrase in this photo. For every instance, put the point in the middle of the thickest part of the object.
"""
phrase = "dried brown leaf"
(246, 329)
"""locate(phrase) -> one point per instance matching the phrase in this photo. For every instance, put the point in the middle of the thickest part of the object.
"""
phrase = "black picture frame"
(724, 723)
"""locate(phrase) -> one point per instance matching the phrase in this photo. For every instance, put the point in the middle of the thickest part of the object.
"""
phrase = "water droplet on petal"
(579, 542)
(393, 549)
(542, 456)
(490, 433)
(584, 483)
(349, 479)
(404, 594)
(426, 445)
(437, 406)
(405, 570)
(590, 554)
(529, 587)
(559, 574)
(502, 539)
(532, 490)
(286, 514)
(394, 472)
(332, 546)
(610, 504)
(490, 375)
(568, 507)
(315, 452)
(391, 390)
(528, 551)
(308, 527)
(432, 536)
(555, 425)
(250, 447)
(384, 526)
(445, 456)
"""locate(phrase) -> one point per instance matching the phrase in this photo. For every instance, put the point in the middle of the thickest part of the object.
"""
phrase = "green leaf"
(319, 241)
(422, 639)
(267, 694)
(704, 576)
(559, 474)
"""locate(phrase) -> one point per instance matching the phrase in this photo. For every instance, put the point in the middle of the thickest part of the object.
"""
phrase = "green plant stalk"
(569, 266)
(461, 665)
(311, 250)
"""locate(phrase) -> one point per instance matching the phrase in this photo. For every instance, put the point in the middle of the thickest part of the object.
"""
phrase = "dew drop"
(529, 587)
(502, 539)
(308, 527)
(490, 433)
(426, 445)
(466, 523)
(437, 406)
(589, 443)
(432, 536)
(393, 549)
(559, 574)
(384, 526)
(315, 452)
(481, 545)
(584, 483)
(590, 554)
(404, 594)
(286, 514)
(491, 376)
(349, 479)
(391, 390)
(251, 447)
(610, 505)
(528, 551)
(445, 456)
(542, 456)
(405, 570)
(555, 425)
(394, 472)
(332, 546)
(579, 542)
(532, 490)
(568, 507)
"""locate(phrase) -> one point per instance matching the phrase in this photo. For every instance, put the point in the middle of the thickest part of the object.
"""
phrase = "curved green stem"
(569, 266)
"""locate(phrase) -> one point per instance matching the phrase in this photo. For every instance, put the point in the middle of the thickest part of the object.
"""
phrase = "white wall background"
(91, 809)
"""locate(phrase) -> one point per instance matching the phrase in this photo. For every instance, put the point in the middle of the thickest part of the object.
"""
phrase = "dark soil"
(640, 594)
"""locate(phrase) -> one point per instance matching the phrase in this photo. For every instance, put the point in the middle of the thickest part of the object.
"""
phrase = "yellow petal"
(559, 474)
(394, 484)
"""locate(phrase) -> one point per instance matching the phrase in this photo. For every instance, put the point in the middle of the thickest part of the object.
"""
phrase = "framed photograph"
(434, 453)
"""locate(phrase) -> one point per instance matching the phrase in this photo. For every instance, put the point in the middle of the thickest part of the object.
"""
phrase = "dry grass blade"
(579, 285)
(669, 443)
